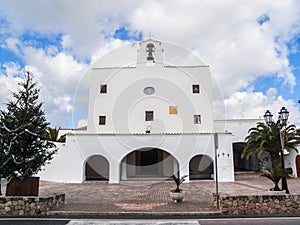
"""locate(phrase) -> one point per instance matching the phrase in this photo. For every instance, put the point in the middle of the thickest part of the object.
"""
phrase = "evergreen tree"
(23, 126)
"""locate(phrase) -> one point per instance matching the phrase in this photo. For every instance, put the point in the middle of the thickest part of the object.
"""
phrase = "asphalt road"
(227, 221)
(252, 221)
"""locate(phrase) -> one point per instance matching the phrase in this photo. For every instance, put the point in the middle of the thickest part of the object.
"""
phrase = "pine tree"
(23, 126)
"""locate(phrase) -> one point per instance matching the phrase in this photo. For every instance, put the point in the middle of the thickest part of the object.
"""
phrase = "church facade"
(148, 120)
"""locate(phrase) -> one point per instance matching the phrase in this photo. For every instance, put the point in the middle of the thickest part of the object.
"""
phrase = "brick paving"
(134, 197)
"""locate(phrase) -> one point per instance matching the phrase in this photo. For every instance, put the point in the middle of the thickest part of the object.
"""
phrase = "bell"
(150, 48)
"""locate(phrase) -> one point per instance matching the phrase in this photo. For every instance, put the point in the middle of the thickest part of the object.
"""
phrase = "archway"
(96, 168)
(148, 163)
(201, 167)
(298, 165)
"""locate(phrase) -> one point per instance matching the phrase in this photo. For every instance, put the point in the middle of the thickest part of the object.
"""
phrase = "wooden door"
(298, 165)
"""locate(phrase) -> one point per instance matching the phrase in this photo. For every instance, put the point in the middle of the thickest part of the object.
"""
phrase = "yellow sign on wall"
(173, 110)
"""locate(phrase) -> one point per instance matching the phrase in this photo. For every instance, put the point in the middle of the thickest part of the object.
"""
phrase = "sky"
(251, 46)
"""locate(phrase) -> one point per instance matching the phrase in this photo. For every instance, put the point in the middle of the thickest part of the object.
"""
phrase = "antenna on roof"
(150, 35)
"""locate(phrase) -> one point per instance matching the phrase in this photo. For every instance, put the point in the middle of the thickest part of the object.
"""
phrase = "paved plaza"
(150, 198)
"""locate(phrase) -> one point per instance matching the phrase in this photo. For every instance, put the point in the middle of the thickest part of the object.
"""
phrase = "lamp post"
(281, 123)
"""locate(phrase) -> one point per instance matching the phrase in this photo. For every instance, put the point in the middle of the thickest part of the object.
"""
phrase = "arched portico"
(201, 167)
(96, 167)
(148, 162)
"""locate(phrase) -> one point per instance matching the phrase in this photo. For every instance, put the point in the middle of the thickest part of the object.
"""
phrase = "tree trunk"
(276, 188)
(275, 159)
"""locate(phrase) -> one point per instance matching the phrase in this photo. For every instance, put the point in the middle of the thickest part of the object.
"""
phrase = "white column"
(184, 170)
(114, 172)
(124, 168)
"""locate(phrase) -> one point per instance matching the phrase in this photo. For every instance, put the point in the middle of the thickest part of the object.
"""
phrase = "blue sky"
(252, 47)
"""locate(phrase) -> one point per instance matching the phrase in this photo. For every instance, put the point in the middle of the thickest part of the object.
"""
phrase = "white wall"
(124, 106)
(125, 103)
(290, 161)
(68, 164)
(238, 127)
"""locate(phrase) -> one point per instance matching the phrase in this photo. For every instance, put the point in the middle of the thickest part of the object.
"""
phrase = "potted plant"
(275, 174)
(177, 194)
(24, 148)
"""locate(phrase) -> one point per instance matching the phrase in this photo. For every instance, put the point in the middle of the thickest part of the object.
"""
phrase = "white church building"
(149, 119)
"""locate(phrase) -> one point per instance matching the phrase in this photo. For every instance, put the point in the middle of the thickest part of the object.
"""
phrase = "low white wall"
(68, 164)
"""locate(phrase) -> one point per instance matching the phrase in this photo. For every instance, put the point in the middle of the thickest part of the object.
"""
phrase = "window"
(103, 88)
(173, 110)
(196, 88)
(102, 120)
(197, 119)
(149, 115)
(149, 90)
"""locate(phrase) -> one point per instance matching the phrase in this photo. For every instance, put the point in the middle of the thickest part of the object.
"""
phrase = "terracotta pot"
(23, 187)
(177, 196)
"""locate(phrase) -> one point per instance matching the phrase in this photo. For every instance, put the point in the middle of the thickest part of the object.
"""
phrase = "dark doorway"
(96, 168)
(298, 165)
(201, 167)
(243, 164)
(148, 163)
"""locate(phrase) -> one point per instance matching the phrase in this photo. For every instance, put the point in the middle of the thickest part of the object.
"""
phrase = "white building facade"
(146, 121)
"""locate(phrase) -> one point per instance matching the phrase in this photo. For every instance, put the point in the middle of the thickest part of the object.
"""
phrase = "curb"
(133, 215)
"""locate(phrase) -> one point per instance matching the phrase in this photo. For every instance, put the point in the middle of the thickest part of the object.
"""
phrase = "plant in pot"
(177, 194)
(275, 174)
(24, 149)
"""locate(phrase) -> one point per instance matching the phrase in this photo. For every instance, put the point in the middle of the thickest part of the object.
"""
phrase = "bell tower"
(150, 53)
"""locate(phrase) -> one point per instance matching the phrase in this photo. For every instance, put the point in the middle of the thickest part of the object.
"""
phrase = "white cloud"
(254, 104)
(225, 34)
(82, 123)
(85, 24)
(58, 77)
(8, 82)
(106, 48)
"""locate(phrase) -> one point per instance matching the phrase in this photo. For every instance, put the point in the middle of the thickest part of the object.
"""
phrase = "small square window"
(102, 120)
(197, 119)
(196, 88)
(103, 88)
(173, 110)
(149, 115)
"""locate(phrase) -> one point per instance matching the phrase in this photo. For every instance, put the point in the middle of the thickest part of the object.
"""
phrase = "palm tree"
(275, 174)
(178, 181)
(266, 138)
(53, 135)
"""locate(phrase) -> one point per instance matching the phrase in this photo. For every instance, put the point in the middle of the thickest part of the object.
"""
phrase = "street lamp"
(281, 123)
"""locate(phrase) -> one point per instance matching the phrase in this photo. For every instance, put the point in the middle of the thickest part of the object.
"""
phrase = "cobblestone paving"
(102, 197)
